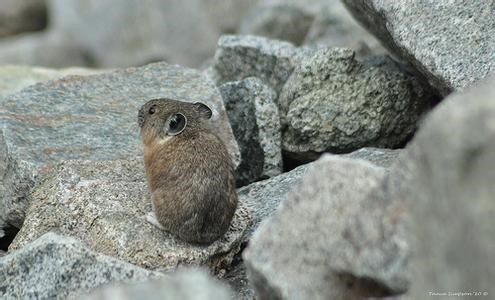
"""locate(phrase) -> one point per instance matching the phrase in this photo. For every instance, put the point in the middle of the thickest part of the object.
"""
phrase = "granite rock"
(57, 267)
(90, 117)
(334, 103)
(450, 43)
(322, 242)
(253, 114)
(104, 204)
(239, 57)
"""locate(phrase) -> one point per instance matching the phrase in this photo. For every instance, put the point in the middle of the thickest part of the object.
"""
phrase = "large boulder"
(57, 267)
(184, 284)
(253, 114)
(91, 117)
(451, 44)
(330, 239)
(446, 178)
(239, 57)
(334, 103)
(104, 204)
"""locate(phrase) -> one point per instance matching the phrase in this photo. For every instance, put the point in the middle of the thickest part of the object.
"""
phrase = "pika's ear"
(203, 110)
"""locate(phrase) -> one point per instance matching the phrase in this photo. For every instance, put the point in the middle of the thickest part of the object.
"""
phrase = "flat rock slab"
(104, 204)
(451, 43)
(57, 267)
(91, 117)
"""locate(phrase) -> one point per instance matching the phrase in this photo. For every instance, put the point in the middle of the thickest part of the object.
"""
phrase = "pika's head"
(162, 119)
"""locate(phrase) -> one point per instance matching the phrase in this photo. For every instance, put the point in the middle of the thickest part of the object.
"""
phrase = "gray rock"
(322, 243)
(237, 278)
(15, 78)
(451, 44)
(57, 267)
(278, 20)
(253, 114)
(445, 177)
(334, 26)
(21, 16)
(105, 203)
(334, 103)
(239, 57)
(91, 117)
(187, 284)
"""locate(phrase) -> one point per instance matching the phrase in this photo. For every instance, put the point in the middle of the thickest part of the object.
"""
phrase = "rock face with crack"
(57, 267)
(104, 204)
(333, 102)
(323, 242)
(91, 117)
(451, 44)
(185, 284)
(446, 178)
(253, 114)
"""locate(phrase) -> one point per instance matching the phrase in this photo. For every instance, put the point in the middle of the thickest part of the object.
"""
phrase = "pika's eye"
(176, 124)
(151, 110)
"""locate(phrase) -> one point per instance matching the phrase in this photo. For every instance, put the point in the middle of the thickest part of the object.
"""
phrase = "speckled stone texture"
(446, 177)
(184, 284)
(329, 239)
(334, 103)
(105, 203)
(90, 117)
(57, 267)
(239, 57)
(452, 43)
(253, 114)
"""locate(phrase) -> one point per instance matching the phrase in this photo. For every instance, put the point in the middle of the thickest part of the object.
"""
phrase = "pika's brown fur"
(190, 173)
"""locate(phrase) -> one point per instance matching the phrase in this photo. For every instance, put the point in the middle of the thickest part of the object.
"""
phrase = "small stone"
(239, 57)
(253, 115)
(58, 267)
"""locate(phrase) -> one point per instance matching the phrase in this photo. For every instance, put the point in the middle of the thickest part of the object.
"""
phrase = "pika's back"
(190, 172)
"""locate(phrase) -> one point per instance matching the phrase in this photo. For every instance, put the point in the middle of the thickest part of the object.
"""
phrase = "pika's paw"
(151, 218)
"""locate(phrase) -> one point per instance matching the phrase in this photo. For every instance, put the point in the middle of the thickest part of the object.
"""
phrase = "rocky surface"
(105, 204)
(333, 102)
(320, 244)
(22, 16)
(384, 158)
(452, 45)
(57, 267)
(239, 57)
(253, 114)
(446, 178)
(15, 78)
(185, 284)
(278, 20)
(91, 117)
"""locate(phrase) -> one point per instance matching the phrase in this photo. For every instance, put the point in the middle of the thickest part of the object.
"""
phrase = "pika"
(189, 171)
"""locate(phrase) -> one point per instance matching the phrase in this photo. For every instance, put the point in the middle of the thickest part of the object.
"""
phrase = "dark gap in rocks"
(364, 287)
(6, 240)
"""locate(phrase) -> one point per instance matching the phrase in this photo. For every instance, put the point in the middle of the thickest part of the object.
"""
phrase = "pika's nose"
(140, 118)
